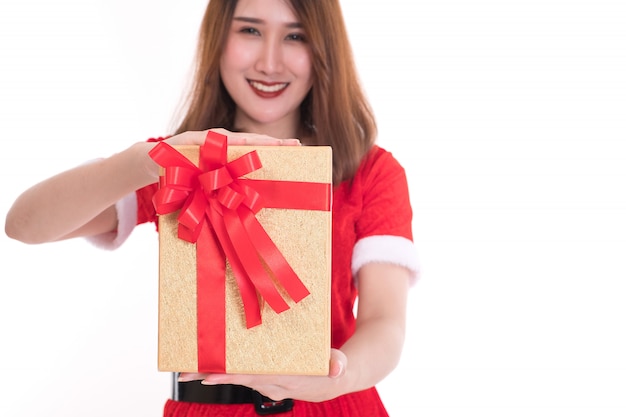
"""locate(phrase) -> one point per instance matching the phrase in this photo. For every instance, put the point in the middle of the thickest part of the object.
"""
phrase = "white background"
(510, 118)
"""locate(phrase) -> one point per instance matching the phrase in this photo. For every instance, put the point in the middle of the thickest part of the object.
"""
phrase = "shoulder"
(380, 168)
(380, 158)
(378, 189)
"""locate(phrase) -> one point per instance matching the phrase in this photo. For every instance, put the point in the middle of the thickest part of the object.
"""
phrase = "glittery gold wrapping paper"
(294, 342)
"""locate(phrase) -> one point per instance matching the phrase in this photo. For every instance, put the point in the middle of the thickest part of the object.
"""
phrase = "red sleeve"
(145, 208)
(386, 206)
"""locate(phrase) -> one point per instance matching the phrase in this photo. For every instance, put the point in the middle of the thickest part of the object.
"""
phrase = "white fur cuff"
(387, 249)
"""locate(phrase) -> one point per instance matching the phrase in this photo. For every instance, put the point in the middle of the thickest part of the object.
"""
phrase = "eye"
(298, 37)
(249, 30)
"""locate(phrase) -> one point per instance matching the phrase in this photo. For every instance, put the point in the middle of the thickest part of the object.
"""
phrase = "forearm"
(79, 202)
(372, 352)
(374, 349)
(59, 206)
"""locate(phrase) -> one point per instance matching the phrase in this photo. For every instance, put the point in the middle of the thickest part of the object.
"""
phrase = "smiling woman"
(268, 73)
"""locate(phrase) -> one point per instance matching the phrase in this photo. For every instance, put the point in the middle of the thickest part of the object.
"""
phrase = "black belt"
(195, 392)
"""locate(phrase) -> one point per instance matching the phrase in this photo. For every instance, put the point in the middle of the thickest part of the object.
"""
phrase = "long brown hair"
(335, 113)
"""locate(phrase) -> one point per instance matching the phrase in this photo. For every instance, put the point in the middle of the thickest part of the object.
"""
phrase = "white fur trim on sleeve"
(126, 220)
(387, 249)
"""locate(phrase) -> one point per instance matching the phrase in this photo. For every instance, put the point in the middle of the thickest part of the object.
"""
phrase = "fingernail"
(340, 371)
(212, 380)
(215, 379)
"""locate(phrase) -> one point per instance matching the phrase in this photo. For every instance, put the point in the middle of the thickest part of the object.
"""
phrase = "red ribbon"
(217, 212)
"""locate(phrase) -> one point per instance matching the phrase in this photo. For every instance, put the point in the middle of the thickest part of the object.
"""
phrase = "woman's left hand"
(279, 387)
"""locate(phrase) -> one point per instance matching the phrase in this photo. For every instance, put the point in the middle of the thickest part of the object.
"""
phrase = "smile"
(272, 88)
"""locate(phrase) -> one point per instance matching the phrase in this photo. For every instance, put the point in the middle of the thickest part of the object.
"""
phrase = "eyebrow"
(294, 25)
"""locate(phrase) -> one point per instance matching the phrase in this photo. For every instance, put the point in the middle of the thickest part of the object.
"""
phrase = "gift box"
(244, 258)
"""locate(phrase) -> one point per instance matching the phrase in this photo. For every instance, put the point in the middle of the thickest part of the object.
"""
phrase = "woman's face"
(266, 67)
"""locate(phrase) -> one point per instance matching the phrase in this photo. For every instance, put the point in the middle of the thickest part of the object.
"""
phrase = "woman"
(269, 71)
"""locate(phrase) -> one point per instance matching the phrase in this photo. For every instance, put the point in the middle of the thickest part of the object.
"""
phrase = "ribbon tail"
(275, 260)
(250, 261)
(248, 293)
(211, 304)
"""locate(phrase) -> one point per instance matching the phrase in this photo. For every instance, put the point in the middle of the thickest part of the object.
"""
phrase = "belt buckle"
(265, 406)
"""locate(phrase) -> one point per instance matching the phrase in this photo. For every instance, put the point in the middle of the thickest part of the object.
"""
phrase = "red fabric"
(375, 202)
(359, 404)
(145, 208)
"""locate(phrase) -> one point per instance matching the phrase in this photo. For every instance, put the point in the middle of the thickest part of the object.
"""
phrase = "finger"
(261, 141)
(238, 379)
(239, 138)
(190, 376)
(338, 364)
(187, 138)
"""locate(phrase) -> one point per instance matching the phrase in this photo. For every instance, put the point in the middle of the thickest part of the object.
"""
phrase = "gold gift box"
(294, 342)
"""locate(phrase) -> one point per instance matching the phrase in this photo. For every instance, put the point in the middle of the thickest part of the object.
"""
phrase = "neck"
(288, 128)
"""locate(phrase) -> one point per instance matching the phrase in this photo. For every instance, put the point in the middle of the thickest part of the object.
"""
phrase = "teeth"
(268, 88)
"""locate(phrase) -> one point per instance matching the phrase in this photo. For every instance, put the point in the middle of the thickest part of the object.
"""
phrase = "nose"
(270, 59)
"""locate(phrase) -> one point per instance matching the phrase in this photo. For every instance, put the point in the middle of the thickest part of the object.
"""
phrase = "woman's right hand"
(234, 138)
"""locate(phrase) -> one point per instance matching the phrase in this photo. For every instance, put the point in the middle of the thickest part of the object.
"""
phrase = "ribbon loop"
(215, 179)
